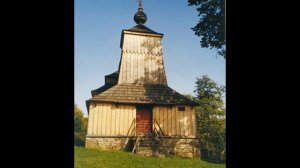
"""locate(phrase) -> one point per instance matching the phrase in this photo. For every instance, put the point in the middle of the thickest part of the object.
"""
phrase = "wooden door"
(144, 120)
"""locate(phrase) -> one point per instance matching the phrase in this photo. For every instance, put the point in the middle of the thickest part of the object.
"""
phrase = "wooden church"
(136, 110)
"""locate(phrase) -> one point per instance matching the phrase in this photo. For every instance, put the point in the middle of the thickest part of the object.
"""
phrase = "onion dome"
(140, 17)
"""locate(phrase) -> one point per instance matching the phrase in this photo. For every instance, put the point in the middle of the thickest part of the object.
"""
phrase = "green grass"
(90, 158)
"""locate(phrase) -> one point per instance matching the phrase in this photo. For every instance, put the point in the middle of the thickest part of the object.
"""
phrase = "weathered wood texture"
(109, 119)
(174, 122)
(142, 60)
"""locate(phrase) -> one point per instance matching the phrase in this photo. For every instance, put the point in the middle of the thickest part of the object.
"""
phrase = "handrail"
(129, 133)
(160, 134)
(134, 129)
(160, 130)
(136, 143)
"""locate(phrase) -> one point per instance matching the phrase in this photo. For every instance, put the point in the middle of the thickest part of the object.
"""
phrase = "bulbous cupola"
(140, 17)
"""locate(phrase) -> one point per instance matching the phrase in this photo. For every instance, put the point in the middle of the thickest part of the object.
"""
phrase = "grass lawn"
(89, 158)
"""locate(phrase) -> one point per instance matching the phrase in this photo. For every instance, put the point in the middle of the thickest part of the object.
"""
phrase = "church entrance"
(143, 119)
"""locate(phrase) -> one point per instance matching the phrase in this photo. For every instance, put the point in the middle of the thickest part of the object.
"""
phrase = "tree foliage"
(211, 25)
(80, 126)
(211, 120)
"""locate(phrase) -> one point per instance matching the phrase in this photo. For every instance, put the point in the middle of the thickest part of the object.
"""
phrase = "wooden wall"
(142, 60)
(174, 122)
(109, 119)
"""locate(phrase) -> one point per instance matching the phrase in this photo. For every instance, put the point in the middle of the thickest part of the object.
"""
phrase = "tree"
(211, 25)
(80, 126)
(210, 116)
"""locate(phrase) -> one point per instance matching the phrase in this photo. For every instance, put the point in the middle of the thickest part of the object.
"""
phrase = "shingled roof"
(110, 81)
(142, 94)
(142, 29)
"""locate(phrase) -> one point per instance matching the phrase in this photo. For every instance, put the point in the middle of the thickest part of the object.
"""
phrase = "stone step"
(147, 154)
(147, 138)
(142, 148)
(146, 143)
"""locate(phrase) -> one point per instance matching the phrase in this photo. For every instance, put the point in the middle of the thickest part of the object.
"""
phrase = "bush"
(79, 139)
(80, 127)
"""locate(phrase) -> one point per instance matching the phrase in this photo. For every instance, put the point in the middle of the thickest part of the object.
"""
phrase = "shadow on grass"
(212, 160)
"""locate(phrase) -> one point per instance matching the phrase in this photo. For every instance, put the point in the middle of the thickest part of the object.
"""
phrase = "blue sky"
(98, 26)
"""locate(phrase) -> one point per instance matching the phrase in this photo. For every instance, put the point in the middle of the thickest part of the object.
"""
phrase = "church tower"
(142, 56)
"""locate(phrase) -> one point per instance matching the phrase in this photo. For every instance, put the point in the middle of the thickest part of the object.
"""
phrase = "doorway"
(144, 119)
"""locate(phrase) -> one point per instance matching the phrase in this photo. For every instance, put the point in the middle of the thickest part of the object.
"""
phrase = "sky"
(98, 27)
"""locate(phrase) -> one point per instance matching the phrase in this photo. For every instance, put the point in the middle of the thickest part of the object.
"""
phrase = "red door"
(143, 120)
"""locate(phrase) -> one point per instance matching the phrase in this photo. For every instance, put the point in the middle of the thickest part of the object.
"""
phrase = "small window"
(181, 108)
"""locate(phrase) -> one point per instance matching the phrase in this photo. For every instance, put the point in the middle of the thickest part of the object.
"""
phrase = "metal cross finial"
(140, 4)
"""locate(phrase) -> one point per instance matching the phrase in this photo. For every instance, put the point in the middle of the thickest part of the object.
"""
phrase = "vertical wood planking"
(156, 74)
(166, 120)
(100, 119)
(185, 115)
(190, 122)
(177, 121)
(133, 110)
(90, 121)
(154, 116)
(124, 67)
(135, 65)
(169, 121)
(120, 80)
(126, 117)
(157, 114)
(161, 70)
(165, 111)
(138, 44)
(187, 121)
(162, 123)
(161, 116)
(126, 123)
(129, 41)
(142, 70)
(141, 62)
(138, 68)
(95, 117)
(104, 120)
(129, 119)
(99, 109)
(122, 122)
(181, 122)
(135, 44)
(173, 120)
(108, 121)
(129, 68)
(193, 123)
(146, 69)
(118, 119)
(163, 120)
(113, 121)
